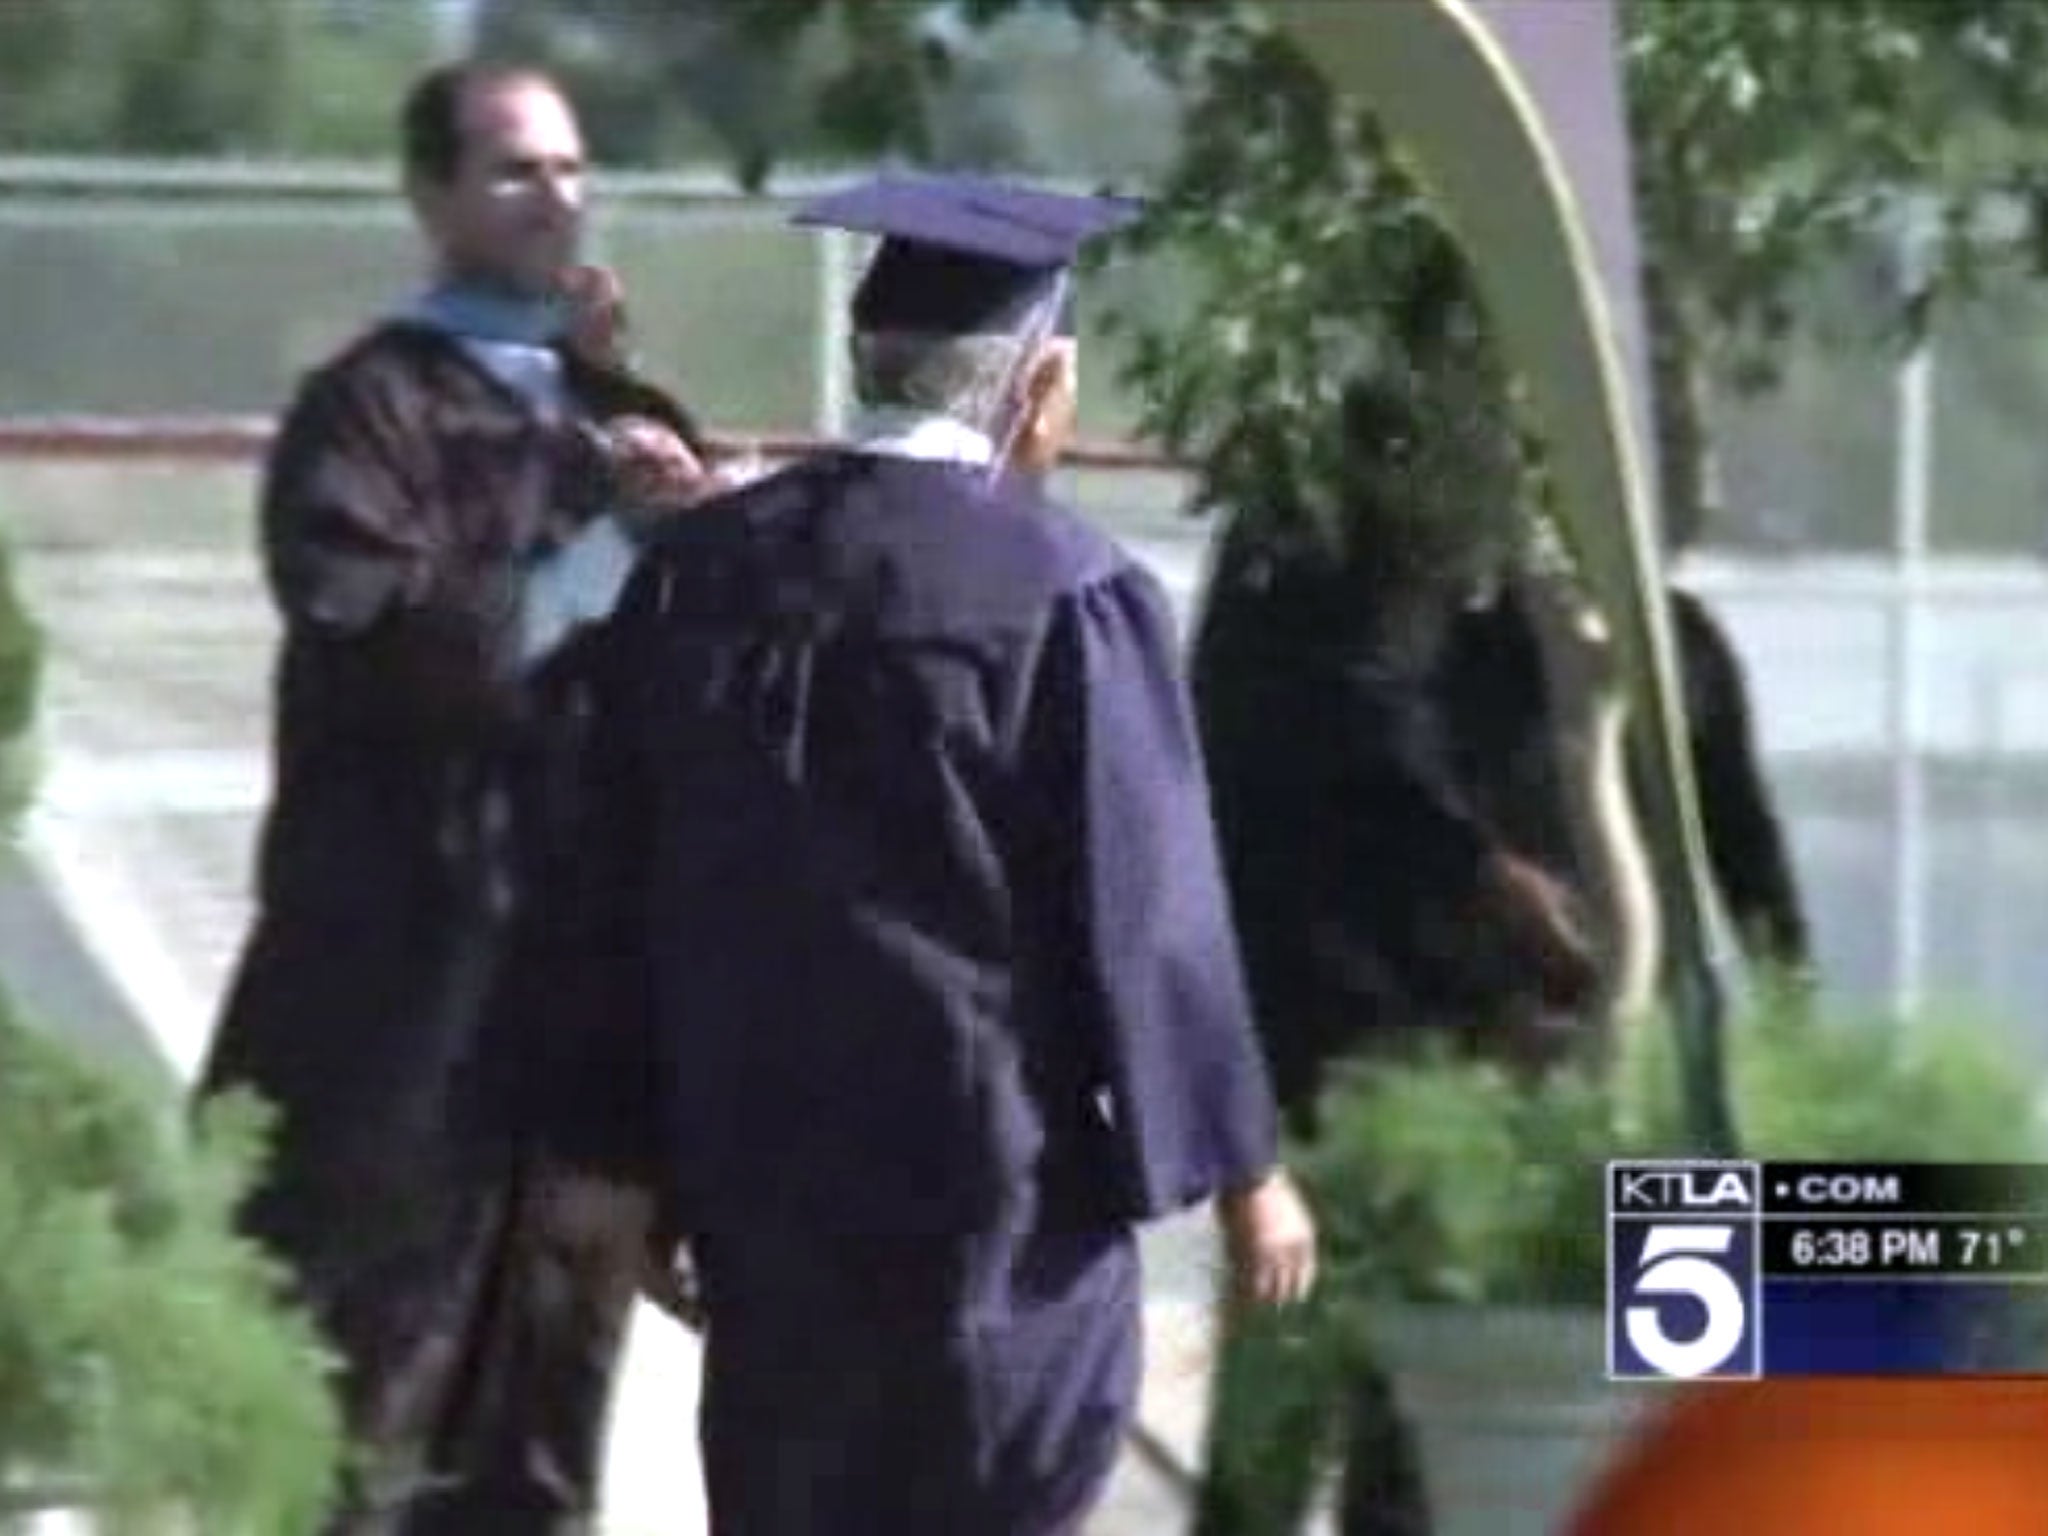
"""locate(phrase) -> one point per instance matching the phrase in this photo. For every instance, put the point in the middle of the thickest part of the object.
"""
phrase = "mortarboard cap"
(964, 255)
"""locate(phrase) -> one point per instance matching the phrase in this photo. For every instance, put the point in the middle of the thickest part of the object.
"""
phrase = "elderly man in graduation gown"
(920, 888)
(457, 1183)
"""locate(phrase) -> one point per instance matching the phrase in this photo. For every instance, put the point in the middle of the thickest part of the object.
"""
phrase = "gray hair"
(970, 378)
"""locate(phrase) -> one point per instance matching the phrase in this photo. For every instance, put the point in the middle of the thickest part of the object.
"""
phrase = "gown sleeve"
(611, 391)
(1746, 845)
(366, 562)
(608, 1068)
(1181, 1079)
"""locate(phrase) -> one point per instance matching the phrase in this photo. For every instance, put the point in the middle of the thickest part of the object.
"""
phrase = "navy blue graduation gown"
(917, 881)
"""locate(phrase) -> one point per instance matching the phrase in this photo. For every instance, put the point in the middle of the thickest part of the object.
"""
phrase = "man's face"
(513, 211)
(1048, 403)
(1061, 403)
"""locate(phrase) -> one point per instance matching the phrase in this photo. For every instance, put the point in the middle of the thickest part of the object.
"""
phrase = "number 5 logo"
(1671, 1266)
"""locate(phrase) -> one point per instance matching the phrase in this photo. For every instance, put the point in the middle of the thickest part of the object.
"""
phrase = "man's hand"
(1537, 913)
(670, 1283)
(596, 329)
(1270, 1240)
(655, 469)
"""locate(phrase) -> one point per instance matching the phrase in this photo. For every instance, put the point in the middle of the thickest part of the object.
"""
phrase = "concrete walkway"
(140, 844)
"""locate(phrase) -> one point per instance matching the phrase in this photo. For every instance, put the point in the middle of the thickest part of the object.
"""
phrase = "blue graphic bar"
(1731, 1269)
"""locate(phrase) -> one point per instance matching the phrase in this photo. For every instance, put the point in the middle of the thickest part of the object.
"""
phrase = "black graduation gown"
(1347, 839)
(920, 888)
(391, 1000)
(1746, 843)
(1347, 836)
(1491, 689)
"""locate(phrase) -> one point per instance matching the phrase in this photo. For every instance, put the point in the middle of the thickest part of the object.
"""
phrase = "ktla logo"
(1682, 1288)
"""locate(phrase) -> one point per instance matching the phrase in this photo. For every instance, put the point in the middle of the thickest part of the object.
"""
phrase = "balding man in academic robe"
(456, 1182)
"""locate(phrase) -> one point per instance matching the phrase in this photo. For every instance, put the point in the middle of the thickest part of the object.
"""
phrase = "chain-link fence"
(1877, 559)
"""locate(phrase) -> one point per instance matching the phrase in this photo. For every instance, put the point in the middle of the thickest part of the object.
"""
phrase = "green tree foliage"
(1774, 142)
(1311, 269)
(146, 1357)
(752, 85)
(894, 66)
(21, 654)
(203, 77)
(1772, 137)
(1285, 209)
(21, 667)
(148, 1361)
(653, 83)
(1025, 88)
(346, 72)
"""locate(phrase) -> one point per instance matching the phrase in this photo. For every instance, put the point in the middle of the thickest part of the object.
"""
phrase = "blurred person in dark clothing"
(1393, 820)
(1491, 690)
